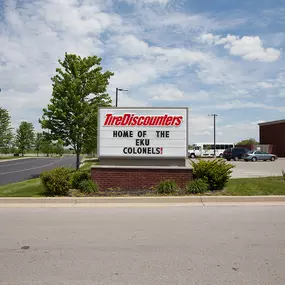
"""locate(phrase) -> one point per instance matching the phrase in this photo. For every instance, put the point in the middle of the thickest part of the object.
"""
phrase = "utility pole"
(117, 93)
(214, 115)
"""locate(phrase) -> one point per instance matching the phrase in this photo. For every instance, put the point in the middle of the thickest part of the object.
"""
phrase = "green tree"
(79, 88)
(25, 137)
(250, 141)
(38, 142)
(6, 134)
(90, 139)
(58, 147)
(46, 144)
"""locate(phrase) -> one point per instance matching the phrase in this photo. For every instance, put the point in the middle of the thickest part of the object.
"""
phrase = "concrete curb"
(176, 200)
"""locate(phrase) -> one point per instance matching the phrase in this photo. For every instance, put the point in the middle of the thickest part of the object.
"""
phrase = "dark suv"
(235, 153)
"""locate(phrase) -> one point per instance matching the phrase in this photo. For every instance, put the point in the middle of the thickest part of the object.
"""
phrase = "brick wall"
(275, 135)
(137, 178)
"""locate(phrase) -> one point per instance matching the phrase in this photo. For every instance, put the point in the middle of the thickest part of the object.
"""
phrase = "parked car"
(259, 155)
(235, 153)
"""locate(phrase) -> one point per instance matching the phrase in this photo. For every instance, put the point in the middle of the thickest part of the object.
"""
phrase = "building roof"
(272, 123)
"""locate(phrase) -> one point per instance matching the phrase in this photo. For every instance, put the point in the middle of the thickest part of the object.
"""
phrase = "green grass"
(255, 186)
(235, 187)
(9, 157)
(29, 188)
(87, 165)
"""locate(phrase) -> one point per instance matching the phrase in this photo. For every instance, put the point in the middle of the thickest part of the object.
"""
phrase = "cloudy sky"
(221, 56)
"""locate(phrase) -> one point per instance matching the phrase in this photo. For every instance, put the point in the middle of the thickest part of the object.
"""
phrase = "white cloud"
(201, 95)
(248, 47)
(139, 63)
(130, 45)
(209, 38)
(236, 104)
(129, 74)
(264, 84)
(164, 92)
(146, 1)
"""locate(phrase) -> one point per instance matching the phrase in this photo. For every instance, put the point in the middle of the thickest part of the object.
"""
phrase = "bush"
(283, 174)
(167, 187)
(57, 181)
(75, 193)
(215, 172)
(77, 177)
(197, 186)
(88, 187)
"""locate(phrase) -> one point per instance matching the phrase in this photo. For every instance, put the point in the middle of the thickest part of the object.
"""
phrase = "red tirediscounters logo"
(134, 120)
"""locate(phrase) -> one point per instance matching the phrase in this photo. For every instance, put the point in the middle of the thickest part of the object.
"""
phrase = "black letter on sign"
(140, 134)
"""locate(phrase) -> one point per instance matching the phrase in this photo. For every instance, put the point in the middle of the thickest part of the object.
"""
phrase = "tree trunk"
(77, 160)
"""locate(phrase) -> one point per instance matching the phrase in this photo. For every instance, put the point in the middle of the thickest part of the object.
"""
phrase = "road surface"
(22, 169)
(126, 246)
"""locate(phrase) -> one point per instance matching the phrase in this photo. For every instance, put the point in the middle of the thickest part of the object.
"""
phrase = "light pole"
(117, 93)
(214, 115)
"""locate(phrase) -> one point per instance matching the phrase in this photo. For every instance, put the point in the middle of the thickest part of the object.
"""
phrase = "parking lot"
(258, 169)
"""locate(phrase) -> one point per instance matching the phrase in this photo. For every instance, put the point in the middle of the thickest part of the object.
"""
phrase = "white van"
(207, 150)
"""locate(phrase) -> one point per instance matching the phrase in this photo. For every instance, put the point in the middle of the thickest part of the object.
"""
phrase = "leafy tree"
(250, 141)
(190, 146)
(90, 140)
(25, 137)
(46, 144)
(58, 147)
(38, 142)
(6, 134)
(79, 88)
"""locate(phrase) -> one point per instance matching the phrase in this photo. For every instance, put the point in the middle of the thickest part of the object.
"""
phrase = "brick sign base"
(133, 178)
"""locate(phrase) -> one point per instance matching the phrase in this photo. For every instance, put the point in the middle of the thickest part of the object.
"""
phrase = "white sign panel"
(143, 132)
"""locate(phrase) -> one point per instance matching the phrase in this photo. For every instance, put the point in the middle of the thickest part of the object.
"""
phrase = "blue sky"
(222, 56)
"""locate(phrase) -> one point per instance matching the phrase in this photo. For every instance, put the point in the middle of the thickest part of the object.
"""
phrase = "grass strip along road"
(24, 169)
(235, 187)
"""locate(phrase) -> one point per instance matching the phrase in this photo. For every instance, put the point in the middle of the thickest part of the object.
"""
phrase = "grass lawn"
(87, 165)
(255, 186)
(235, 187)
(9, 157)
(29, 188)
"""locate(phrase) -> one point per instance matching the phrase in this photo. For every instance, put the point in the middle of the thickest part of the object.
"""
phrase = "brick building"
(273, 133)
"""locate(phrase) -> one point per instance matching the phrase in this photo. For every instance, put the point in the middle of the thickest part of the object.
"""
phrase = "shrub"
(197, 186)
(283, 174)
(215, 172)
(88, 187)
(167, 187)
(57, 181)
(77, 177)
(75, 193)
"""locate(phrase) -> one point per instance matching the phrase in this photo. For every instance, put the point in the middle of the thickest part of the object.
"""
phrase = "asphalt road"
(22, 169)
(163, 245)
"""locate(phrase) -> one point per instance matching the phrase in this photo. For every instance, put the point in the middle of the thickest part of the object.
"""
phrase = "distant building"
(273, 133)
